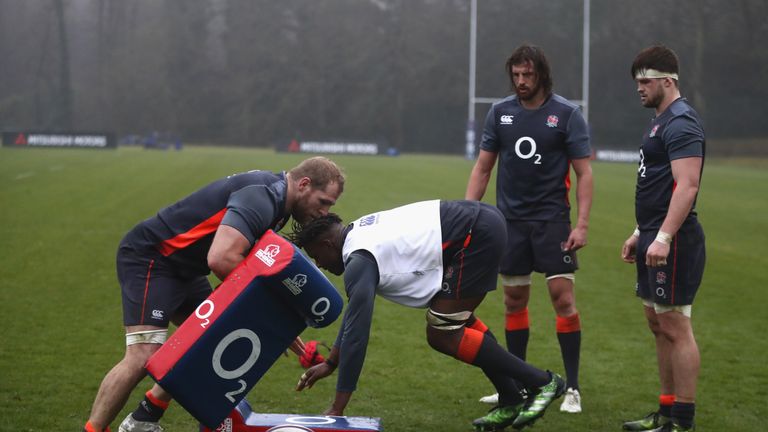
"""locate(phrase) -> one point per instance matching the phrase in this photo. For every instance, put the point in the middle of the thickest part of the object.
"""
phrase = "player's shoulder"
(681, 115)
(507, 102)
(566, 104)
(682, 108)
(268, 179)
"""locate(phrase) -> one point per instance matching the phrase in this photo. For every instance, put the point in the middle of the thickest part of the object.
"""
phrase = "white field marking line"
(24, 175)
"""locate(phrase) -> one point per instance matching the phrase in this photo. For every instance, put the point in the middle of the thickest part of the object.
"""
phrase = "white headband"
(653, 73)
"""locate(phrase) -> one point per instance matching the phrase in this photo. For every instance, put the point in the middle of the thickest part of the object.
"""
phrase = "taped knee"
(512, 281)
(146, 337)
(451, 321)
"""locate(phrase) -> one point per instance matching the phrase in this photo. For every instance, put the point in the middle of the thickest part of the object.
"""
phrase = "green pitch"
(63, 212)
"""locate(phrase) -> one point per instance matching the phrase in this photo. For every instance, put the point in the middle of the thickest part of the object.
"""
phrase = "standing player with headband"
(668, 243)
(537, 137)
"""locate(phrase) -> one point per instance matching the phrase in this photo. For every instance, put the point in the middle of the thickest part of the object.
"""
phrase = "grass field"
(63, 212)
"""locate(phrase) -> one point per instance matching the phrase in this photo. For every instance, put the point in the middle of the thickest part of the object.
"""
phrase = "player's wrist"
(331, 363)
(664, 238)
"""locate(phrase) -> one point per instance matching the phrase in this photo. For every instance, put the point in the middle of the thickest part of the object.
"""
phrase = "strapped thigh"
(450, 321)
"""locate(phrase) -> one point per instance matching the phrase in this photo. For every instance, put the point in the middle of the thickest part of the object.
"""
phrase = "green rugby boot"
(652, 421)
(672, 427)
(538, 402)
(497, 418)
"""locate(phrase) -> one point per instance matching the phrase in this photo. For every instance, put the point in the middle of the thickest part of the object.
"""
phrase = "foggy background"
(262, 72)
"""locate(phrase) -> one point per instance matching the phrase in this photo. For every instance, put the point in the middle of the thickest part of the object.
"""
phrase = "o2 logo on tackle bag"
(289, 428)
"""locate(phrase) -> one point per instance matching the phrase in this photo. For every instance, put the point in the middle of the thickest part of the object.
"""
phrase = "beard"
(653, 100)
(528, 93)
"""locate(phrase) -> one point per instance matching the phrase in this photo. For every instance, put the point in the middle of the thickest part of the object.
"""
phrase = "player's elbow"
(219, 265)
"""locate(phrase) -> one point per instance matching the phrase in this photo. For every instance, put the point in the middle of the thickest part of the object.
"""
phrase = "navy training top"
(535, 148)
(250, 202)
(674, 134)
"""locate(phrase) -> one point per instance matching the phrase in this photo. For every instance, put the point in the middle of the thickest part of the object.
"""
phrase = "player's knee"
(440, 341)
(515, 303)
(141, 345)
(655, 327)
(444, 329)
(564, 305)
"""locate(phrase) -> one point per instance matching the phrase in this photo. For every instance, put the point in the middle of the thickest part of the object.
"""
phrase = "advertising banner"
(29, 139)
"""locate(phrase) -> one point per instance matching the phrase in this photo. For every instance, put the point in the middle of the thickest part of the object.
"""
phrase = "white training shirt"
(407, 244)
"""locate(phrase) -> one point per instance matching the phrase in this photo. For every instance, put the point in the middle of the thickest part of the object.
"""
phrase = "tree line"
(260, 72)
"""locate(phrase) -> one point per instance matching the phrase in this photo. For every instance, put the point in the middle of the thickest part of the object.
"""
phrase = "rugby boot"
(652, 421)
(497, 418)
(571, 401)
(494, 398)
(490, 399)
(672, 427)
(132, 425)
(538, 402)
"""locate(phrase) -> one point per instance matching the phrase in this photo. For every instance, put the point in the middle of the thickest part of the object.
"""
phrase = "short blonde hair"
(321, 171)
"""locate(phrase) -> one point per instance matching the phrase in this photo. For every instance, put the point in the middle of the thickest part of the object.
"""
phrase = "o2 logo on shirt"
(531, 153)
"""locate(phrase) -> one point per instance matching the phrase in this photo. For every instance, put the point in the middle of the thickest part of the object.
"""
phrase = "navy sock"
(570, 346)
(682, 413)
(493, 359)
(665, 410)
(517, 342)
(148, 411)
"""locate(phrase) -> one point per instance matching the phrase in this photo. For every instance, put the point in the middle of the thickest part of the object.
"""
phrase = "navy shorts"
(537, 246)
(153, 293)
(677, 282)
(472, 269)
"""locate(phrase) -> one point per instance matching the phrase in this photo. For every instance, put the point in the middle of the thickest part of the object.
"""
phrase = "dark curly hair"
(311, 231)
(535, 55)
(657, 57)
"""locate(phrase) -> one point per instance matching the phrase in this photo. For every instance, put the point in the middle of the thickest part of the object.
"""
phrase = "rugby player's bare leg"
(663, 352)
(683, 356)
(516, 298)
(119, 382)
(563, 297)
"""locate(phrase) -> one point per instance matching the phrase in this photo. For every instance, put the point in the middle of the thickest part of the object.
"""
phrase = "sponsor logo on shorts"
(661, 278)
(552, 121)
(448, 273)
(157, 314)
(225, 426)
(268, 254)
(294, 284)
(507, 119)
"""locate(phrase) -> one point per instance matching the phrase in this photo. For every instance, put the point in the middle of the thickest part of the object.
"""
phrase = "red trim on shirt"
(567, 181)
(185, 239)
